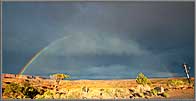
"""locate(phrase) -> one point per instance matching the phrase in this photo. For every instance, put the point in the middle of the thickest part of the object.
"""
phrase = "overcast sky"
(99, 40)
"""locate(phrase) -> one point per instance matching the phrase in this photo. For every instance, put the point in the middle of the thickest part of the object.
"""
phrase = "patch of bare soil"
(181, 93)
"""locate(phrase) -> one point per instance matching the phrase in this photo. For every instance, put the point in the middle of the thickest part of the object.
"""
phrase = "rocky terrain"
(160, 88)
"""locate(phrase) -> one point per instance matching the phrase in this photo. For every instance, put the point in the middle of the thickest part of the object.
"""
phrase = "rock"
(135, 94)
(141, 95)
(30, 77)
(26, 80)
(75, 94)
(164, 95)
(8, 82)
(132, 97)
(84, 97)
(118, 93)
(94, 97)
(106, 96)
(127, 96)
(138, 95)
(180, 87)
(56, 96)
(95, 93)
(8, 75)
(147, 97)
(85, 89)
(63, 96)
(159, 90)
(126, 93)
(101, 89)
(147, 93)
(147, 88)
(189, 87)
(132, 90)
(166, 89)
(63, 90)
(109, 92)
(141, 88)
(121, 93)
(183, 88)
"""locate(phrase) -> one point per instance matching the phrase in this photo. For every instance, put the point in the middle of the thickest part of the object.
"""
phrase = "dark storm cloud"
(33, 23)
(155, 38)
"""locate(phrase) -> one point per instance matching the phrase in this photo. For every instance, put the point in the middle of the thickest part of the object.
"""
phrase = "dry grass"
(105, 88)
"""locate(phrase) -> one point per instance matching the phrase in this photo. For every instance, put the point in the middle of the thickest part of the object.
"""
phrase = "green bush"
(175, 83)
(154, 92)
(142, 79)
(38, 96)
(49, 94)
(73, 95)
(186, 82)
(14, 90)
(41, 90)
(30, 92)
(109, 92)
(165, 94)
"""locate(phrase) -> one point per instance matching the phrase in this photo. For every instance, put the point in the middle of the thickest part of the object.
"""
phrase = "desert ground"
(166, 88)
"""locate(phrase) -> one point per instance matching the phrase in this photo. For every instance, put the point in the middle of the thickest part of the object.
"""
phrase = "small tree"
(58, 77)
(142, 79)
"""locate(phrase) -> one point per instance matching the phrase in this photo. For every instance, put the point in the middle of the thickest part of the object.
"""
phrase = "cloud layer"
(98, 38)
(94, 44)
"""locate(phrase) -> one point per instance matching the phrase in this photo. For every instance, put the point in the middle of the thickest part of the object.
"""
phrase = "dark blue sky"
(99, 40)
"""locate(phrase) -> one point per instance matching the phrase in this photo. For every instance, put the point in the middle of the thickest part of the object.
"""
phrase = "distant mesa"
(21, 76)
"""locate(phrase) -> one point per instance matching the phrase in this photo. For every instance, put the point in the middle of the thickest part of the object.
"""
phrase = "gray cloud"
(94, 44)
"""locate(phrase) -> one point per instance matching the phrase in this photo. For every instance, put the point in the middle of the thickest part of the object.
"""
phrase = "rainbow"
(38, 54)
(31, 60)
